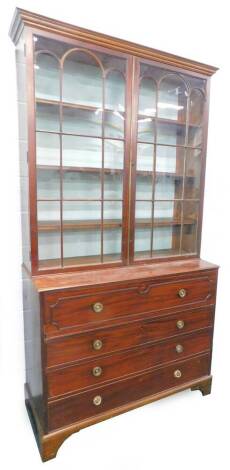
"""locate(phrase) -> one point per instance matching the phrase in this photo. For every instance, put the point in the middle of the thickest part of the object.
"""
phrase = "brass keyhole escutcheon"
(98, 307)
(97, 371)
(97, 400)
(180, 324)
(179, 348)
(182, 293)
(97, 344)
(177, 374)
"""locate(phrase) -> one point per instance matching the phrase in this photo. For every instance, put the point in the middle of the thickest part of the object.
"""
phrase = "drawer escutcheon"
(97, 344)
(182, 293)
(177, 374)
(97, 400)
(97, 371)
(97, 307)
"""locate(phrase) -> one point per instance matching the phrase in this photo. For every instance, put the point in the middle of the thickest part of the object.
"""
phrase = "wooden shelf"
(109, 171)
(80, 260)
(70, 225)
(79, 169)
(168, 121)
(160, 253)
(79, 106)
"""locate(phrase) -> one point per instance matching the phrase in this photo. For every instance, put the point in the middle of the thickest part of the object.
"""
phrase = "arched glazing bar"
(90, 167)
(174, 190)
(48, 152)
(145, 160)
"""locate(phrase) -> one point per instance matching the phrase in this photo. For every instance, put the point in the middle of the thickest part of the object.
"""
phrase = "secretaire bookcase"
(118, 306)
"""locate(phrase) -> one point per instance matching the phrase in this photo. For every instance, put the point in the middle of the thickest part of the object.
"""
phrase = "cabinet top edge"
(48, 282)
(27, 18)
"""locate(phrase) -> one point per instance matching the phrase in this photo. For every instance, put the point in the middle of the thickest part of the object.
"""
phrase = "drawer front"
(67, 310)
(91, 373)
(83, 405)
(103, 341)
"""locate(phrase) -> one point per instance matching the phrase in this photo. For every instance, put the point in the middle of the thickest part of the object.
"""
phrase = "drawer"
(65, 411)
(87, 374)
(61, 350)
(68, 309)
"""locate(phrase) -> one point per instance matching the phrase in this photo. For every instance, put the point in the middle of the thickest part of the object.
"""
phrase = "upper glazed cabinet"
(116, 148)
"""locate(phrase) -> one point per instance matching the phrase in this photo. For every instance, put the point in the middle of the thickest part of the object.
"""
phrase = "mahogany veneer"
(138, 326)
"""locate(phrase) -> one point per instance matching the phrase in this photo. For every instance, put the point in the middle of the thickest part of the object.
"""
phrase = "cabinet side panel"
(23, 146)
(33, 346)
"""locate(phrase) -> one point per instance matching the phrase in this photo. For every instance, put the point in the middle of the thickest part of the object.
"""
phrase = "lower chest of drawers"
(109, 347)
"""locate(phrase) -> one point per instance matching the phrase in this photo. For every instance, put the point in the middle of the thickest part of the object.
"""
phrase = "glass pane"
(172, 98)
(145, 157)
(112, 244)
(147, 97)
(48, 214)
(196, 108)
(48, 184)
(190, 220)
(47, 149)
(144, 187)
(82, 121)
(114, 124)
(81, 185)
(81, 152)
(81, 215)
(168, 187)
(47, 77)
(146, 129)
(115, 91)
(170, 159)
(49, 249)
(47, 117)
(82, 79)
(193, 174)
(112, 213)
(143, 242)
(81, 247)
(167, 213)
(113, 154)
(195, 136)
(170, 133)
(143, 213)
(166, 241)
(113, 185)
(49, 235)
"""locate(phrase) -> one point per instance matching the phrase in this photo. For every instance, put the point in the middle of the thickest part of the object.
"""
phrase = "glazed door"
(169, 153)
(81, 123)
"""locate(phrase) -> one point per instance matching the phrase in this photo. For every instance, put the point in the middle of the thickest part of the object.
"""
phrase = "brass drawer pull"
(97, 400)
(180, 324)
(97, 344)
(97, 371)
(98, 307)
(177, 374)
(179, 348)
(182, 293)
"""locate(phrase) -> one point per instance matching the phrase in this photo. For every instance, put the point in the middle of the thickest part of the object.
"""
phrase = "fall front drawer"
(68, 309)
(87, 374)
(65, 411)
(61, 350)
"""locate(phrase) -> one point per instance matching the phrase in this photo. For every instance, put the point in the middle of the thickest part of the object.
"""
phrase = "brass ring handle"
(180, 324)
(97, 371)
(97, 344)
(179, 348)
(97, 307)
(182, 293)
(97, 400)
(177, 374)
